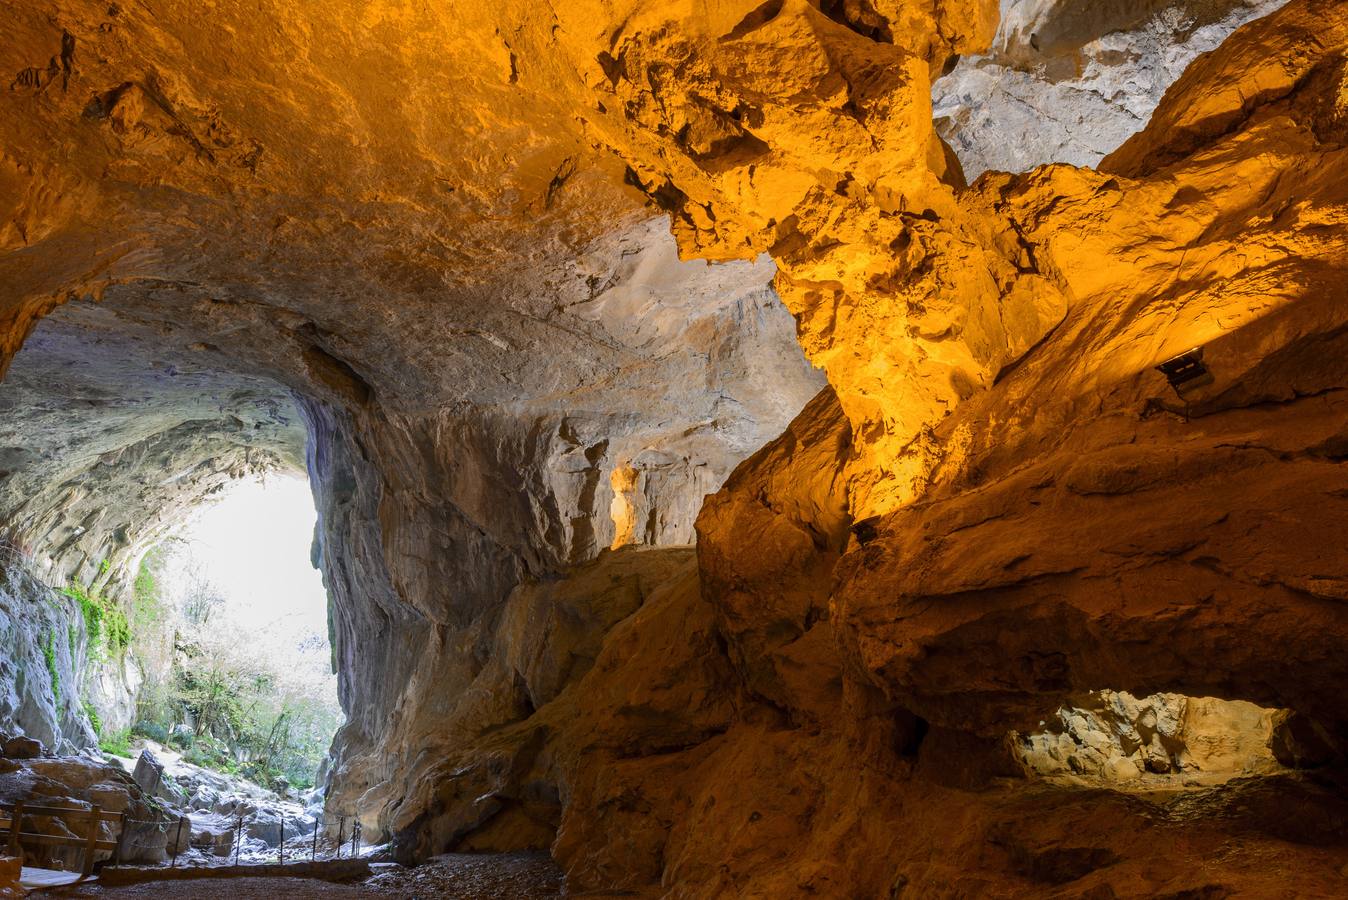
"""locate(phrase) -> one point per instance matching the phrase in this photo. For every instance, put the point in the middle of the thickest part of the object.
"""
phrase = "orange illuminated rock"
(416, 231)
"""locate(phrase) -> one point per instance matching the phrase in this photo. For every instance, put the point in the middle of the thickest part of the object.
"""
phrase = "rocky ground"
(947, 631)
(223, 810)
(497, 876)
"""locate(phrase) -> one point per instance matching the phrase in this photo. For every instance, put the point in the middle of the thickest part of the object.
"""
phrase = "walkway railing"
(341, 845)
(12, 821)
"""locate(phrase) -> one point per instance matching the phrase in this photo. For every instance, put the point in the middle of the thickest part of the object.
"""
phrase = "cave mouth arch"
(110, 442)
(109, 439)
(449, 467)
(249, 673)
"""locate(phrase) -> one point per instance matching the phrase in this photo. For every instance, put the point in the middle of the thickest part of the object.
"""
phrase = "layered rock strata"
(996, 507)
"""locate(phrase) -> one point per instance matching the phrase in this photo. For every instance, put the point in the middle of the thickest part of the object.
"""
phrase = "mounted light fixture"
(1186, 372)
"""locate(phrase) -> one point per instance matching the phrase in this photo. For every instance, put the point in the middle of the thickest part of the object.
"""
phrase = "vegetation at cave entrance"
(105, 623)
(212, 693)
(49, 653)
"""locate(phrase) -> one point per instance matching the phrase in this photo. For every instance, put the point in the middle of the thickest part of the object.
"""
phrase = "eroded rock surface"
(1114, 736)
(1070, 80)
(995, 506)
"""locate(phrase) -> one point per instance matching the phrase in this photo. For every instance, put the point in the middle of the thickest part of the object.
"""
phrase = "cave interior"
(839, 448)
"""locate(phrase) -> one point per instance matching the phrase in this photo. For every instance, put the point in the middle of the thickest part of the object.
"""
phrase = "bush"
(211, 757)
(118, 744)
(94, 720)
(152, 730)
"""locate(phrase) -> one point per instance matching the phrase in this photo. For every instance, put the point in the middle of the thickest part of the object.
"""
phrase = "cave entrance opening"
(244, 685)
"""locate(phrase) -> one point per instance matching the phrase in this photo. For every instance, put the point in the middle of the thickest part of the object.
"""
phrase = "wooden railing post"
(121, 841)
(90, 842)
(177, 842)
(15, 826)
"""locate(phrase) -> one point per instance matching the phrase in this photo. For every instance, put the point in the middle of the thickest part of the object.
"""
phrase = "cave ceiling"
(889, 280)
(393, 209)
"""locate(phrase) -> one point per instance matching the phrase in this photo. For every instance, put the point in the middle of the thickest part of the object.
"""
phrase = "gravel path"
(460, 876)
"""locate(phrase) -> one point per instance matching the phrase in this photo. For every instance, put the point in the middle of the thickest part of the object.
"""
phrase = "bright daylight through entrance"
(230, 629)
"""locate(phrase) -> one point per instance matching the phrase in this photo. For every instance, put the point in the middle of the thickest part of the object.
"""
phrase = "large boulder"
(203, 798)
(213, 834)
(23, 748)
(11, 868)
(272, 825)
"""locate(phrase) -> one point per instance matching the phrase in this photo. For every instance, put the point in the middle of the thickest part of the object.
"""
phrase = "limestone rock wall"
(503, 367)
(1070, 80)
(42, 637)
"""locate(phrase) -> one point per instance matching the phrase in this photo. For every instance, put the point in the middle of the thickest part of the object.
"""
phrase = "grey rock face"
(1071, 80)
(41, 636)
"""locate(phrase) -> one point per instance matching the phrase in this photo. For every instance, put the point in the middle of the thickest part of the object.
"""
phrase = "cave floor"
(486, 876)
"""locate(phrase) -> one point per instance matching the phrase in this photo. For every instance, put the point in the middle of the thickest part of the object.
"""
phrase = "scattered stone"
(1118, 737)
(23, 748)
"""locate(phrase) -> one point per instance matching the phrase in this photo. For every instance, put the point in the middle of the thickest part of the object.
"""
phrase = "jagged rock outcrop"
(79, 782)
(1115, 736)
(995, 507)
(1070, 80)
(41, 638)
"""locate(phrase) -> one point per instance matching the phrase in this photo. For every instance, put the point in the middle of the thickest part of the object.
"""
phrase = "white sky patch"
(254, 546)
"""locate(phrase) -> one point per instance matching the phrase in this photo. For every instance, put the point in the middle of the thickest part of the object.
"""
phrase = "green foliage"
(149, 612)
(152, 730)
(104, 622)
(211, 691)
(249, 711)
(118, 744)
(49, 651)
(213, 754)
(94, 719)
